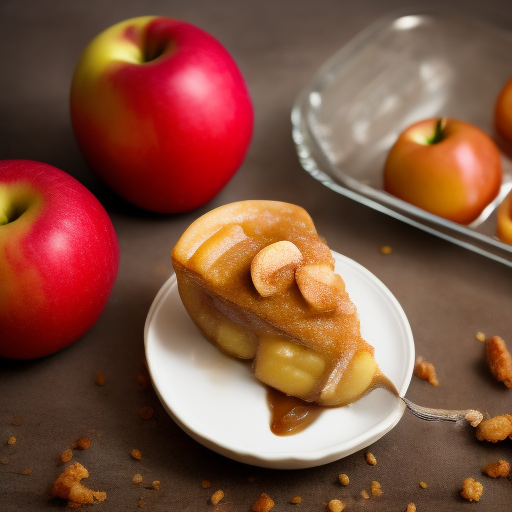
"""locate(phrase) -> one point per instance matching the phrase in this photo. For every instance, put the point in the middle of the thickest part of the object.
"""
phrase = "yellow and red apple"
(445, 166)
(161, 113)
(503, 112)
(58, 259)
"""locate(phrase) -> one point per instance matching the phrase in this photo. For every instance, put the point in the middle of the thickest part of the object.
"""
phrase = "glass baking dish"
(396, 72)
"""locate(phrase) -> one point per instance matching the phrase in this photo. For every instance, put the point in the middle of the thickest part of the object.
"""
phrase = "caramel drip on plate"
(291, 415)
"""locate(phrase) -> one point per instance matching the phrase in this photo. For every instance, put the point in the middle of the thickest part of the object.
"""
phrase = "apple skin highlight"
(161, 113)
(59, 258)
(455, 177)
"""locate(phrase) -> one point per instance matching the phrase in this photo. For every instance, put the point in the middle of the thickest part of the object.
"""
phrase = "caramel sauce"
(291, 415)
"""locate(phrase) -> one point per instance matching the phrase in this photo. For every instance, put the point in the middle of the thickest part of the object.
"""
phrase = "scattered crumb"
(100, 379)
(137, 478)
(66, 455)
(474, 417)
(497, 469)
(206, 484)
(251, 479)
(411, 507)
(370, 458)
(376, 489)
(156, 485)
(142, 381)
(136, 454)
(216, 497)
(16, 421)
(386, 249)
(335, 506)
(365, 494)
(68, 486)
(480, 336)
(26, 471)
(495, 429)
(423, 485)
(146, 413)
(344, 479)
(4, 460)
(471, 489)
(11, 440)
(499, 360)
(263, 504)
(81, 444)
(425, 371)
(141, 503)
(296, 499)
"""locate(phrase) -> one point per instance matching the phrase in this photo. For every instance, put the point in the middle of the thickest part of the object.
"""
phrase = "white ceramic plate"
(217, 401)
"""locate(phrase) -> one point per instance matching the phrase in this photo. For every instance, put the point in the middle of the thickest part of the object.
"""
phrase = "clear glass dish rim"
(314, 161)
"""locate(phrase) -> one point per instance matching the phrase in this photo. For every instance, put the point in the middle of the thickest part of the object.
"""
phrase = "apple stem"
(438, 131)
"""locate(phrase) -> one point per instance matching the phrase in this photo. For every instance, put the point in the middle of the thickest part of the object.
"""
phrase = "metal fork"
(429, 414)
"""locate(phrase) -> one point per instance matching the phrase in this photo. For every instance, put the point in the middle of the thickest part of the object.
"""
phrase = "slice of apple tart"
(260, 284)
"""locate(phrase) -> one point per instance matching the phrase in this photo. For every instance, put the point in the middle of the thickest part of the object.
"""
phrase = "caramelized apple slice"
(235, 339)
(223, 255)
(354, 381)
(323, 289)
(288, 367)
(273, 268)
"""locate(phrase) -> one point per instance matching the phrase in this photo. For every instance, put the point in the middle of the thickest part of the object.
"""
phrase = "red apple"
(503, 112)
(161, 113)
(447, 167)
(58, 259)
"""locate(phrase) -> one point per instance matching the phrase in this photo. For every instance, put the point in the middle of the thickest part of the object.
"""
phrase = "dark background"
(448, 293)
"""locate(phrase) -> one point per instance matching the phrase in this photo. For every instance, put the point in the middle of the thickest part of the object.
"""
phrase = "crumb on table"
(81, 444)
(344, 479)
(66, 455)
(217, 496)
(136, 454)
(335, 506)
(100, 379)
(295, 500)
(495, 429)
(499, 360)
(263, 504)
(497, 469)
(376, 488)
(426, 371)
(471, 489)
(68, 486)
(370, 459)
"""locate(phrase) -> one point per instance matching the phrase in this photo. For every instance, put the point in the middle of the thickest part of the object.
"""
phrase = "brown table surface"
(447, 292)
